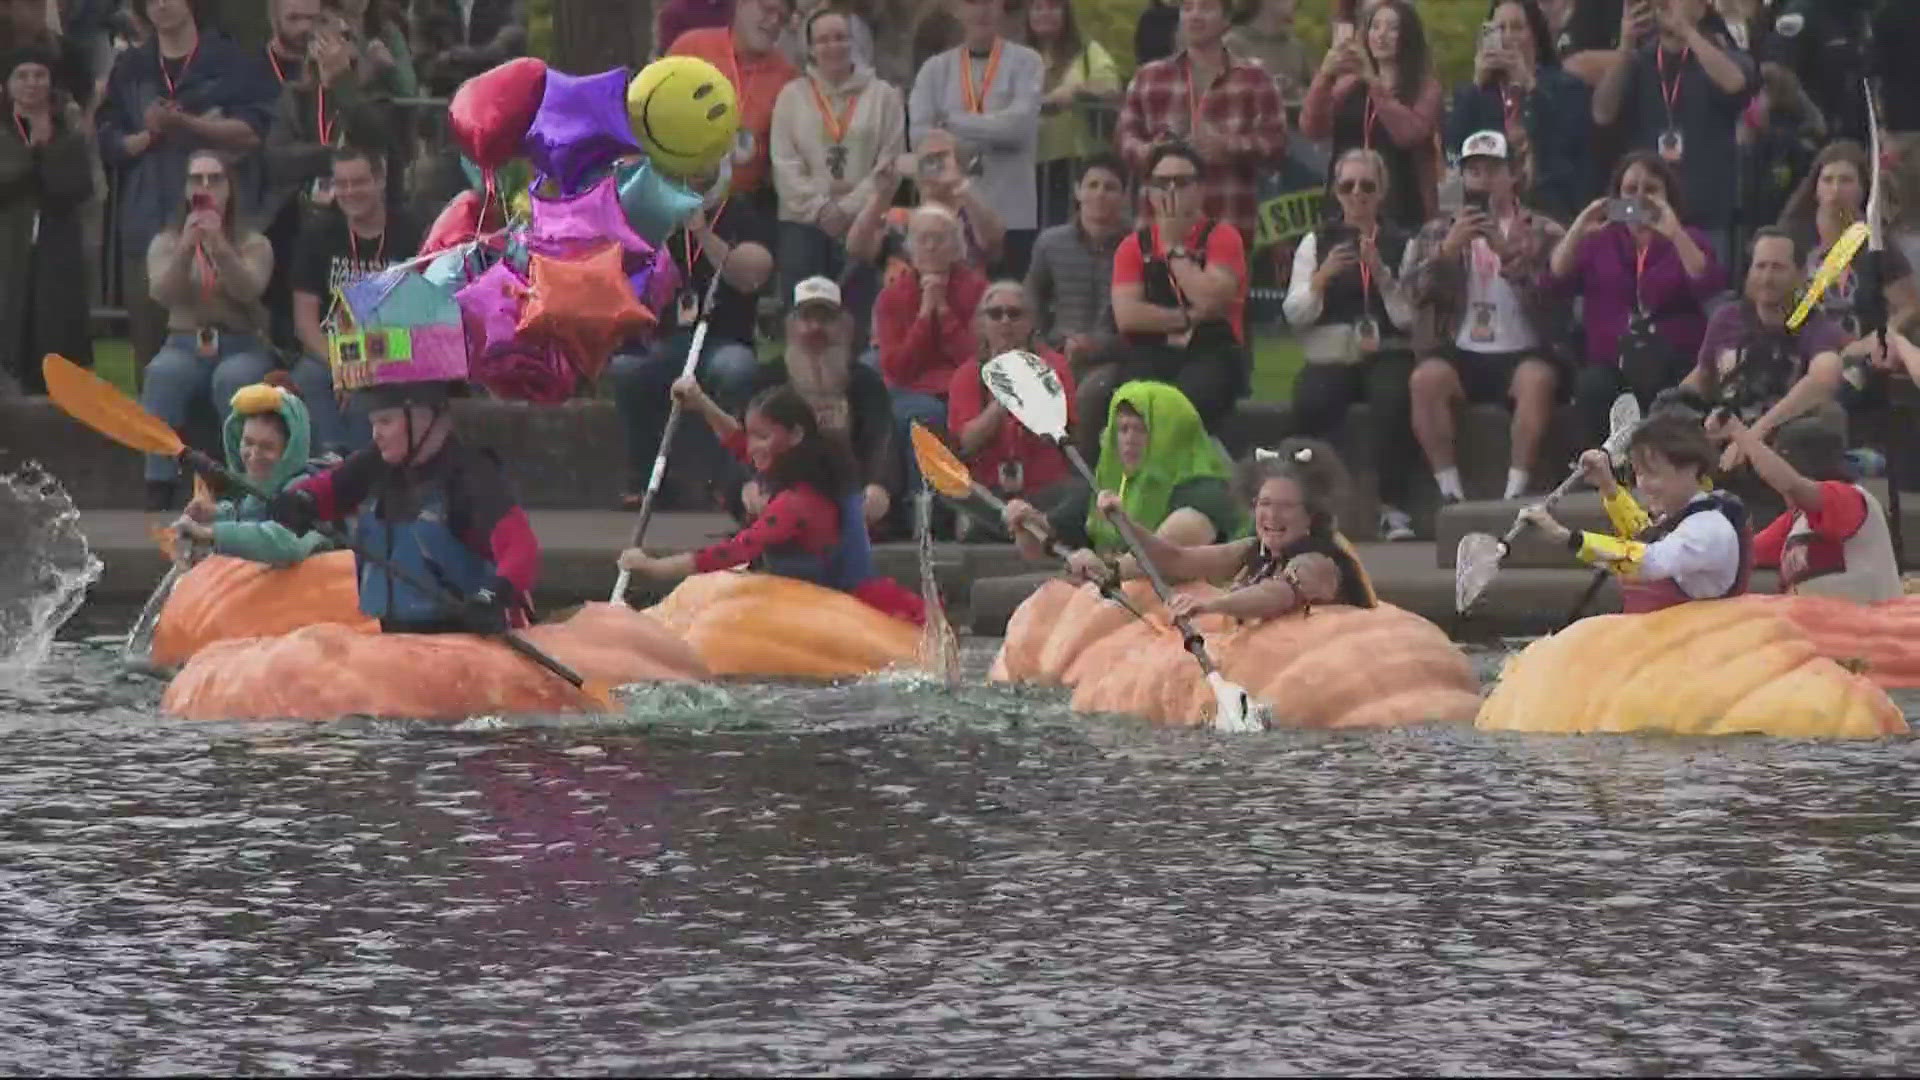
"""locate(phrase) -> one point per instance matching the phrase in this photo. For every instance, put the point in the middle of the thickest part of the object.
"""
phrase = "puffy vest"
(1638, 597)
(1860, 568)
(844, 565)
(424, 546)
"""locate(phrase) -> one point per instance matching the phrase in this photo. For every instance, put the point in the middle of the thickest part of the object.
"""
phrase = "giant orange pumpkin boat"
(1884, 637)
(1337, 667)
(223, 598)
(773, 627)
(1719, 667)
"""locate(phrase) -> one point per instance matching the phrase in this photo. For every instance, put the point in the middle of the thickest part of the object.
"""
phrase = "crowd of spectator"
(1623, 195)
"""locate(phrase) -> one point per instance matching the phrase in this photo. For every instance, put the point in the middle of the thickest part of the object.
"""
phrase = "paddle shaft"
(659, 473)
(1061, 551)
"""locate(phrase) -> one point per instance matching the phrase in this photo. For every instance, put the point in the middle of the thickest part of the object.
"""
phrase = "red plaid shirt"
(1243, 102)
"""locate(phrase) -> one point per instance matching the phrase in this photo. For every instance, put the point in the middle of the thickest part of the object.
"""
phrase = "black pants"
(1594, 388)
(1322, 394)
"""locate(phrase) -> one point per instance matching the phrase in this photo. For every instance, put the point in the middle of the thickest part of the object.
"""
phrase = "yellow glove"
(1621, 556)
(1628, 519)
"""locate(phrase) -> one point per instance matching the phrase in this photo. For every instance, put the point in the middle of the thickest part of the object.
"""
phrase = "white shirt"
(1493, 321)
(1701, 555)
(1303, 305)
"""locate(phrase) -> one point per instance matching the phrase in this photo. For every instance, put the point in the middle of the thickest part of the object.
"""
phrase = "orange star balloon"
(585, 305)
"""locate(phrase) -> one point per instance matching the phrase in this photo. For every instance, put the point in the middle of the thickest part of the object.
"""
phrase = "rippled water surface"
(891, 878)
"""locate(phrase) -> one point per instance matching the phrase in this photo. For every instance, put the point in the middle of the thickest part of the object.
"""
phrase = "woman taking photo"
(1644, 278)
(1518, 88)
(1346, 303)
(1376, 90)
(1080, 75)
(45, 178)
(1831, 198)
(208, 274)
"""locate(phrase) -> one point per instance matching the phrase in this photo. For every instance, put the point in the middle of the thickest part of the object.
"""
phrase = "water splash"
(45, 566)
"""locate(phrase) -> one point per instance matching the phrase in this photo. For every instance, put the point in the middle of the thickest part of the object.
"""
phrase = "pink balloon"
(570, 226)
(491, 112)
(490, 308)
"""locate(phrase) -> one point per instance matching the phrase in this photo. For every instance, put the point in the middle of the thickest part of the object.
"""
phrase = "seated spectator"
(1180, 293)
(748, 53)
(878, 236)
(208, 273)
(1680, 97)
(454, 40)
(1833, 538)
(1489, 330)
(1346, 303)
(377, 32)
(1172, 480)
(1266, 33)
(1644, 278)
(923, 321)
(831, 127)
(1002, 454)
(734, 241)
(1069, 283)
(357, 236)
(180, 92)
(1376, 90)
(1546, 114)
(794, 38)
(1080, 75)
(46, 178)
(1236, 128)
(849, 399)
(986, 91)
(1832, 197)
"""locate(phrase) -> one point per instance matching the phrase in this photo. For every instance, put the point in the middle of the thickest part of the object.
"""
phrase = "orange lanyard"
(184, 65)
(1366, 125)
(1193, 100)
(1670, 94)
(836, 127)
(733, 57)
(278, 74)
(694, 253)
(978, 102)
(1640, 272)
(208, 275)
(1366, 272)
(353, 247)
(26, 137)
(321, 127)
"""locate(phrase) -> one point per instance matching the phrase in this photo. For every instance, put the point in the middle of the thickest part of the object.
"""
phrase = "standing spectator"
(357, 236)
(1781, 131)
(23, 25)
(675, 17)
(378, 30)
(1643, 277)
(831, 128)
(1180, 293)
(1003, 456)
(1225, 108)
(793, 39)
(735, 241)
(208, 273)
(1080, 77)
(748, 54)
(923, 321)
(1680, 96)
(458, 39)
(180, 92)
(1267, 35)
(288, 50)
(1830, 199)
(986, 92)
(1545, 113)
(1487, 329)
(46, 175)
(1346, 303)
(1069, 279)
(1157, 35)
(1381, 95)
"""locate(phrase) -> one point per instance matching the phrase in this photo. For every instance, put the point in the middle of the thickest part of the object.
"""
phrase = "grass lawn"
(113, 361)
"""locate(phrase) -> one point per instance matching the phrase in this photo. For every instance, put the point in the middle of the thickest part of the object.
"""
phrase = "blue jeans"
(728, 371)
(908, 406)
(335, 429)
(177, 375)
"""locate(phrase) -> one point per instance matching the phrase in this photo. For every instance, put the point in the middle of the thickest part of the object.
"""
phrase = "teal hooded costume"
(242, 527)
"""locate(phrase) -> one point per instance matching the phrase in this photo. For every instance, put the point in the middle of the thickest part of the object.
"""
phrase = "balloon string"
(486, 202)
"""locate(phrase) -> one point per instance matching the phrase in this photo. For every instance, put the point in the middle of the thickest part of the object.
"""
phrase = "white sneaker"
(1395, 524)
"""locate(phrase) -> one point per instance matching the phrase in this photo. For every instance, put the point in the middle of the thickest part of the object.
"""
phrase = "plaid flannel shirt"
(1243, 102)
(1437, 286)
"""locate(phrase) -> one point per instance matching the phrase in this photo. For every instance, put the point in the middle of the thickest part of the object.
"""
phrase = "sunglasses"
(1173, 183)
(1364, 187)
(1004, 314)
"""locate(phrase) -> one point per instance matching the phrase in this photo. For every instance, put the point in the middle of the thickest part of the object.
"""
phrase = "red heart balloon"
(491, 112)
(460, 221)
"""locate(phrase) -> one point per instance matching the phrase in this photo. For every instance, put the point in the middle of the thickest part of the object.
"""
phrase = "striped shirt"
(1070, 282)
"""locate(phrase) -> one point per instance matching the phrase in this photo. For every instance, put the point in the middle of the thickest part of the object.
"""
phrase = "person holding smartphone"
(1546, 114)
(1376, 91)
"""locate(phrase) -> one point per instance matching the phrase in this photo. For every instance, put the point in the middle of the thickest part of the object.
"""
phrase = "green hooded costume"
(242, 528)
(1183, 468)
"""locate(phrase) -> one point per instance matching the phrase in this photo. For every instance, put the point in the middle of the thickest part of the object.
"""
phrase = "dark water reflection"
(891, 879)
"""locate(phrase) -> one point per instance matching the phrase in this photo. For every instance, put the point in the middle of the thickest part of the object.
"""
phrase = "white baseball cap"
(816, 290)
(1491, 144)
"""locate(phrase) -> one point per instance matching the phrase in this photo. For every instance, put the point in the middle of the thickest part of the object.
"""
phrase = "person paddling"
(267, 437)
(1699, 547)
(439, 510)
(813, 526)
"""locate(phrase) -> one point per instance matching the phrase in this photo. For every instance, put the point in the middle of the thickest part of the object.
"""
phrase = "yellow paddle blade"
(164, 536)
(947, 474)
(101, 406)
(1830, 270)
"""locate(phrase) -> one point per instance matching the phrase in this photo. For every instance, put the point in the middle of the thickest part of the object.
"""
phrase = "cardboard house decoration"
(397, 327)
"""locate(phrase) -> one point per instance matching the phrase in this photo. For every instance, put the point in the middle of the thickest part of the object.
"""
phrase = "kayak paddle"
(1478, 558)
(1028, 387)
(939, 651)
(950, 476)
(101, 406)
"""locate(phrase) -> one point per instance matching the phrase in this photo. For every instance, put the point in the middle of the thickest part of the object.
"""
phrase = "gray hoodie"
(803, 156)
(1004, 133)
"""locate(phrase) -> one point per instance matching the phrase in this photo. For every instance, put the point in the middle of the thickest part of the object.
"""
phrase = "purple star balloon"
(490, 308)
(582, 128)
(576, 224)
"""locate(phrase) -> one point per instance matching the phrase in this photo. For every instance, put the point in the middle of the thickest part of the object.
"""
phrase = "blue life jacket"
(844, 565)
(426, 547)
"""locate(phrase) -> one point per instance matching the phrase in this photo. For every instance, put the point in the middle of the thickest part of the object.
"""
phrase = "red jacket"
(1041, 463)
(923, 353)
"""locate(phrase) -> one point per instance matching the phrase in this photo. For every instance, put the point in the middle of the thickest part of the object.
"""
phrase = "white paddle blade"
(1475, 562)
(1233, 708)
(1622, 418)
(1030, 389)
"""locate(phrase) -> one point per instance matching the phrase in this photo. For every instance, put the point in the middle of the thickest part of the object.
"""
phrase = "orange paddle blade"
(947, 474)
(101, 406)
(165, 537)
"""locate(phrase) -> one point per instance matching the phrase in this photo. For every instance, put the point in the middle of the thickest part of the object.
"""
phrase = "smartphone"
(1477, 200)
(201, 201)
(1490, 37)
(1629, 212)
(1342, 33)
(1340, 233)
(931, 165)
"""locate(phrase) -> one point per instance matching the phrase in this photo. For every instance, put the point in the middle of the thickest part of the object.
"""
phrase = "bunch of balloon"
(555, 254)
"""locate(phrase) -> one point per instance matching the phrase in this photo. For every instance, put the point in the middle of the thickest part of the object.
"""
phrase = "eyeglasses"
(1004, 314)
(1173, 183)
(1364, 187)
